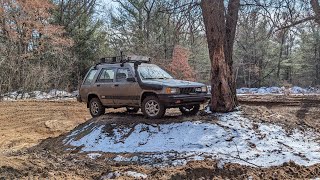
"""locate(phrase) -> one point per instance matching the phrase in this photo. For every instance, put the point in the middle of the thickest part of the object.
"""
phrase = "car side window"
(106, 75)
(90, 77)
(123, 74)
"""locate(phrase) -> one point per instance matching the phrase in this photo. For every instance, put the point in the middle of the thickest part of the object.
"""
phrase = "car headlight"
(172, 90)
(198, 89)
(204, 89)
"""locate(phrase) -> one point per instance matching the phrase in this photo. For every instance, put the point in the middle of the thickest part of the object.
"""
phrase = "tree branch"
(191, 5)
(296, 23)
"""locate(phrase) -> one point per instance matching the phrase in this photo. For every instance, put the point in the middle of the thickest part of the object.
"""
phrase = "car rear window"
(90, 76)
(106, 75)
(123, 74)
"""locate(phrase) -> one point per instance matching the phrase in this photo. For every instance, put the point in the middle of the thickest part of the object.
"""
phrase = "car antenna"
(122, 59)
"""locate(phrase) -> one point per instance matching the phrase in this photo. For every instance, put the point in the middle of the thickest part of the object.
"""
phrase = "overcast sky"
(103, 8)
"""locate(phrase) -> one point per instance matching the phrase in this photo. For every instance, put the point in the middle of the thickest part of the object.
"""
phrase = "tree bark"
(316, 8)
(220, 31)
(231, 27)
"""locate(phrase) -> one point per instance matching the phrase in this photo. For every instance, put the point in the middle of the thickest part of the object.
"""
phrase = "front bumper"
(176, 100)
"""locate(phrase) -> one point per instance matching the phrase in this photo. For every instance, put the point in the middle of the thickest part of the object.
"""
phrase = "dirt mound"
(230, 138)
(23, 124)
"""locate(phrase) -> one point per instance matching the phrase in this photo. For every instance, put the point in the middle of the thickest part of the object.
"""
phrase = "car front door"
(105, 86)
(127, 93)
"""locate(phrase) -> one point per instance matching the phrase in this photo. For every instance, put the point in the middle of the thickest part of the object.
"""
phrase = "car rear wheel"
(152, 108)
(96, 107)
(132, 109)
(190, 109)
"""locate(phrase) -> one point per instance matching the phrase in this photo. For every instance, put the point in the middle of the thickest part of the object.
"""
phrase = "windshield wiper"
(157, 78)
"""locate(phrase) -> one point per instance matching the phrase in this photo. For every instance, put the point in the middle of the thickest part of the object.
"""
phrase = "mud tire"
(96, 108)
(152, 108)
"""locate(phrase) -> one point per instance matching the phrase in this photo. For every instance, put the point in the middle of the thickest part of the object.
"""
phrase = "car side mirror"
(131, 79)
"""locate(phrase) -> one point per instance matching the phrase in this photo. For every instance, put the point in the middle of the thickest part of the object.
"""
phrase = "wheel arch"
(146, 94)
(90, 96)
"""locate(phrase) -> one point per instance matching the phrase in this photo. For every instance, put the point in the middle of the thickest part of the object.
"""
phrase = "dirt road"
(25, 124)
(296, 111)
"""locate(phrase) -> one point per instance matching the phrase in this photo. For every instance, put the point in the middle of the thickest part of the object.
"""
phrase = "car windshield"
(153, 72)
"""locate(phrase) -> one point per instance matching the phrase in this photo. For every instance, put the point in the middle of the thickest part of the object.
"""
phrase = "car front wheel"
(96, 107)
(190, 109)
(152, 108)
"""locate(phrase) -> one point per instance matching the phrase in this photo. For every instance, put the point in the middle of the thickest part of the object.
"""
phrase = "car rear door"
(127, 93)
(105, 86)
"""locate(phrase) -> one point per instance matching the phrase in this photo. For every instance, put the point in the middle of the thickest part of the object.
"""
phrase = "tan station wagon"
(133, 82)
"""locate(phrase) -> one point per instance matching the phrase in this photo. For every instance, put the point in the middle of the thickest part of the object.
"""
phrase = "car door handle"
(116, 85)
(98, 85)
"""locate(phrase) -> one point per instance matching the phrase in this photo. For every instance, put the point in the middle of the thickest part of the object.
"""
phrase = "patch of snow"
(220, 164)
(207, 110)
(93, 155)
(53, 94)
(75, 132)
(111, 175)
(278, 90)
(117, 174)
(179, 162)
(197, 158)
(75, 93)
(120, 158)
(231, 139)
(58, 93)
(136, 174)
(298, 90)
(41, 95)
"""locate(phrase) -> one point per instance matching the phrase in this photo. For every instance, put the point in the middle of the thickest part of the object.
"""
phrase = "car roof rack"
(124, 59)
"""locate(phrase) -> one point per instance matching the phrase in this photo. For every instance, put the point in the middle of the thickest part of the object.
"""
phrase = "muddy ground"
(29, 131)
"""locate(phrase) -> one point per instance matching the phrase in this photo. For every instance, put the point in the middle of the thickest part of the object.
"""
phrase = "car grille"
(188, 90)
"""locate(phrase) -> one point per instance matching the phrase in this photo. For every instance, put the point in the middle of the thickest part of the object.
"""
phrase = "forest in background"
(47, 44)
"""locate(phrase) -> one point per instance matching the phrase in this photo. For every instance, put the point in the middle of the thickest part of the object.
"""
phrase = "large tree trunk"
(220, 31)
(316, 8)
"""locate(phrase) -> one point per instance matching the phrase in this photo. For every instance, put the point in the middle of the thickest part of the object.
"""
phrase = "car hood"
(173, 83)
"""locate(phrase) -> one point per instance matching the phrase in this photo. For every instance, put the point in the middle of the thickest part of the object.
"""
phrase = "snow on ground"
(133, 174)
(231, 139)
(94, 155)
(39, 95)
(278, 90)
(136, 174)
